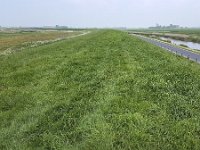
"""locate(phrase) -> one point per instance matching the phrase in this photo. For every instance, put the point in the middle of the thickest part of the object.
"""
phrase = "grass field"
(17, 39)
(106, 90)
(190, 34)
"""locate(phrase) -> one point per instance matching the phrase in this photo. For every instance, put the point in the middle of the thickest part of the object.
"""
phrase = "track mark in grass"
(77, 80)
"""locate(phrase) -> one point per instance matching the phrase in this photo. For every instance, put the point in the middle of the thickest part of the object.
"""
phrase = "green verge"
(106, 90)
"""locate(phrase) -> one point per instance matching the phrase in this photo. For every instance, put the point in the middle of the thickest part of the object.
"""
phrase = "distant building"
(171, 26)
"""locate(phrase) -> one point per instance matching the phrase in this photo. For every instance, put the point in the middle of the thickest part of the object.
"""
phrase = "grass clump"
(105, 90)
(167, 41)
(183, 45)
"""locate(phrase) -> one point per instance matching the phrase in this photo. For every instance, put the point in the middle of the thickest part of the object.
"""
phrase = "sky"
(99, 13)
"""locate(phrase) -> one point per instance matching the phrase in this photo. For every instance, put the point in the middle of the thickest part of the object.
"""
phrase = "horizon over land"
(99, 13)
(71, 27)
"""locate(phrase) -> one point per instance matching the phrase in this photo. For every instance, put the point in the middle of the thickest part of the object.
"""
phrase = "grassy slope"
(106, 90)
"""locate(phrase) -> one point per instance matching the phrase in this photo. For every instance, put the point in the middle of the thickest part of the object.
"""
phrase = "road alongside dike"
(172, 48)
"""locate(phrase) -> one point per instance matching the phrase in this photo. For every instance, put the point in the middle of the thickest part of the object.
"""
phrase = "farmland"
(104, 90)
(13, 40)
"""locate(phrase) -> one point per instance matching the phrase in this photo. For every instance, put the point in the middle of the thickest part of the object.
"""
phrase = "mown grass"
(106, 90)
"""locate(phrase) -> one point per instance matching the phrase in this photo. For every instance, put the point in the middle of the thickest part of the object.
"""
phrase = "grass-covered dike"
(102, 91)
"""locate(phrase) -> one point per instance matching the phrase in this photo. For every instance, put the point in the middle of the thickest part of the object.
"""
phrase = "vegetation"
(191, 35)
(15, 39)
(194, 34)
(188, 31)
(183, 45)
(167, 41)
(106, 90)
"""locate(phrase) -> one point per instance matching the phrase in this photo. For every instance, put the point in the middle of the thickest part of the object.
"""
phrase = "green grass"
(106, 90)
(193, 34)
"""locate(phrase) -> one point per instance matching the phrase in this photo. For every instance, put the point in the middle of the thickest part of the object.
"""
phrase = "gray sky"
(99, 13)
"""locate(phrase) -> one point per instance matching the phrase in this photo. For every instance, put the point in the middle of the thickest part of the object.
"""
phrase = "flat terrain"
(105, 90)
(190, 34)
(17, 39)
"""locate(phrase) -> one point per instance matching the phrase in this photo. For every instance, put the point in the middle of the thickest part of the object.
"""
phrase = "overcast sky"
(99, 13)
